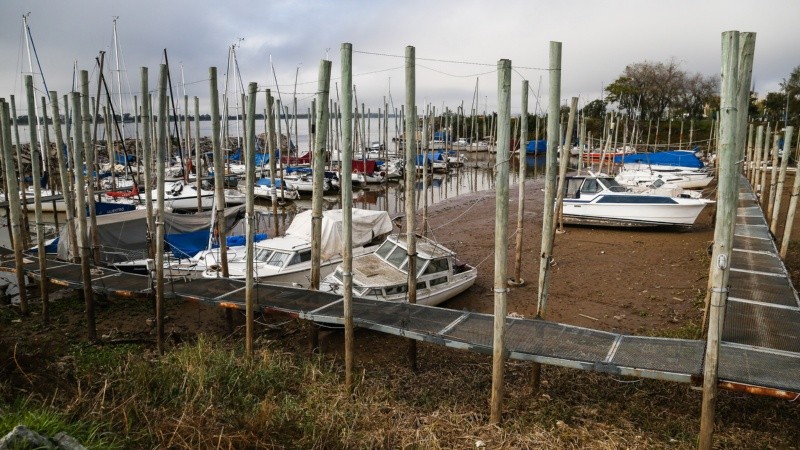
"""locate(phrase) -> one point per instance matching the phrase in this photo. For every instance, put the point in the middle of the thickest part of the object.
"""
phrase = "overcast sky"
(599, 40)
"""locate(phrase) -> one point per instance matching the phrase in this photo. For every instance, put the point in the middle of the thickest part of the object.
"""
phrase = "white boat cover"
(367, 225)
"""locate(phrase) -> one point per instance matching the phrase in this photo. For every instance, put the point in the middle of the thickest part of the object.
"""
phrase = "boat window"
(573, 187)
(338, 275)
(394, 290)
(591, 186)
(421, 285)
(397, 258)
(613, 185)
(262, 254)
(278, 259)
(300, 257)
(385, 248)
(440, 280)
(437, 265)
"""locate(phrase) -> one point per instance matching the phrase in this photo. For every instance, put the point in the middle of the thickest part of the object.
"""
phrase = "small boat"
(262, 189)
(601, 200)
(287, 259)
(685, 160)
(686, 179)
(383, 274)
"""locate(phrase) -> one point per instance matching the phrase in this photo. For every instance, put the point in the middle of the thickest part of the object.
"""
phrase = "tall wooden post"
(523, 146)
(219, 172)
(81, 180)
(161, 146)
(198, 162)
(776, 209)
(346, 169)
(250, 168)
(147, 156)
(36, 169)
(499, 351)
(318, 171)
(23, 188)
(549, 188)
(773, 180)
(564, 162)
(550, 175)
(755, 171)
(410, 140)
(90, 147)
(764, 166)
(14, 207)
(69, 201)
(787, 228)
(272, 143)
(728, 153)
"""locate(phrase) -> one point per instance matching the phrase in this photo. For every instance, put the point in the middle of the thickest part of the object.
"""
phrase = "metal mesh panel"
(123, 283)
(750, 220)
(760, 368)
(660, 354)
(749, 209)
(762, 326)
(538, 337)
(476, 329)
(290, 299)
(754, 244)
(402, 315)
(70, 273)
(208, 288)
(755, 231)
(760, 262)
(762, 288)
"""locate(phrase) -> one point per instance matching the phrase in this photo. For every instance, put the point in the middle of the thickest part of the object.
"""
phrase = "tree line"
(662, 90)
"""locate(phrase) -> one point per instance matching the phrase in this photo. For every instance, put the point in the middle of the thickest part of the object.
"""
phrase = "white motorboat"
(287, 258)
(686, 179)
(600, 200)
(383, 274)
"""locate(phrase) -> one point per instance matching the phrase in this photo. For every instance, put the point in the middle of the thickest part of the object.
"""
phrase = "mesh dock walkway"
(761, 336)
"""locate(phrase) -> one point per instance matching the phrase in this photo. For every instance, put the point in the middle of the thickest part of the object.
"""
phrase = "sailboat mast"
(29, 46)
(119, 83)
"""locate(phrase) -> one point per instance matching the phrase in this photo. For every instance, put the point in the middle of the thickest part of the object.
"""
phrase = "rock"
(67, 442)
(23, 437)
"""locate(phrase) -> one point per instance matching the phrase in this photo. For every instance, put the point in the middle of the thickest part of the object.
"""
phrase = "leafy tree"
(649, 89)
(595, 108)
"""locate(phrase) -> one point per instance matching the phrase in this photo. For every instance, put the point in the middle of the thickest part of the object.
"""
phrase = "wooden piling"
(499, 350)
(219, 172)
(69, 198)
(94, 238)
(273, 144)
(346, 168)
(198, 162)
(14, 209)
(250, 170)
(773, 180)
(79, 148)
(36, 169)
(23, 188)
(410, 139)
(754, 171)
(564, 163)
(787, 230)
(550, 176)
(523, 146)
(318, 171)
(728, 154)
(776, 209)
(765, 154)
(147, 156)
(161, 149)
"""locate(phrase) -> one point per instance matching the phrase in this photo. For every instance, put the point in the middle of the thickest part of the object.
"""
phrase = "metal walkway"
(761, 336)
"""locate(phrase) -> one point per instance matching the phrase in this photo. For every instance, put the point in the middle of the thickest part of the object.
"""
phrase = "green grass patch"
(48, 421)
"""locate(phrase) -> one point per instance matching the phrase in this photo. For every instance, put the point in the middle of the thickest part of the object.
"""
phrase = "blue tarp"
(121, 159)
(266, 182)
(536, 146)
(442, 136)
(184, 245)
(683, 158)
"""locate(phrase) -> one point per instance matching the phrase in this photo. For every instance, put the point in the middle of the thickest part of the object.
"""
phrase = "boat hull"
(632, 215)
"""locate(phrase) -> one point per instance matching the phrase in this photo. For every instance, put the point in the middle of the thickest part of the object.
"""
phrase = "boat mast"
(30, 46)
(119, 85)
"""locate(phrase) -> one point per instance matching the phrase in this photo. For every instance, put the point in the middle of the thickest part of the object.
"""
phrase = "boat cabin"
(578, 186)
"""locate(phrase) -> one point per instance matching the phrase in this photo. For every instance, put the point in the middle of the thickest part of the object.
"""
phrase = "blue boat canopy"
(683, 158)
(536, 146)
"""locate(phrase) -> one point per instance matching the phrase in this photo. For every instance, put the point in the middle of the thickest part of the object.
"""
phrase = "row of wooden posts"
(737, 55)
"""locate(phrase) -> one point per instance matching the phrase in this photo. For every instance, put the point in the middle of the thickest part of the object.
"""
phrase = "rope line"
(449, 61)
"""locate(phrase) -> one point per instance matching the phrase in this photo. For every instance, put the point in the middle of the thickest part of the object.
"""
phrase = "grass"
(49, 421)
